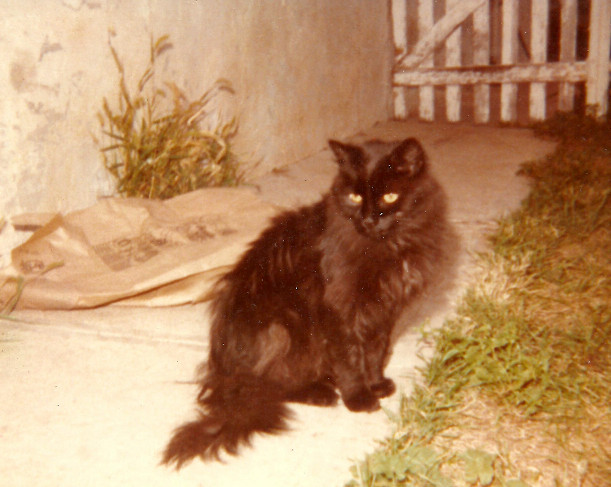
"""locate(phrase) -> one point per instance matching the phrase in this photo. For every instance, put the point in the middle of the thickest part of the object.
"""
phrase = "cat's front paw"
(362, 401)
(316, 394)
(384, 388)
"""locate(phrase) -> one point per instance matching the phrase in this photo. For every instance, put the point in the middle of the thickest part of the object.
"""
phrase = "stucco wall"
(303, 71)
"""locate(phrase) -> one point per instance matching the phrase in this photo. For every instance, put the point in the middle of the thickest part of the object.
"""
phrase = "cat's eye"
(355, 198)
(390, 198)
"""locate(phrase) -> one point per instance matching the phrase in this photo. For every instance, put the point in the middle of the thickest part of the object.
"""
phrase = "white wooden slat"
(524, 73)
(399, 26)
(597, 83)
(481, 57)
(399, 23)
(399, 102)
(453, 58)
(568, 48)
(538, 53)
(435, 34)
(426, 107)
(509, 55)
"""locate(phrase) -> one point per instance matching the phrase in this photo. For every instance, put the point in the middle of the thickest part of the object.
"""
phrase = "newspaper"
(135, 252)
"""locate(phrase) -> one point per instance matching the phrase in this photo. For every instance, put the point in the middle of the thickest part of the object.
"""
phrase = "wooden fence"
(506, 60)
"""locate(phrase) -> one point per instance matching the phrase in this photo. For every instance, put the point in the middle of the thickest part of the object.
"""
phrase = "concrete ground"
(91, 397)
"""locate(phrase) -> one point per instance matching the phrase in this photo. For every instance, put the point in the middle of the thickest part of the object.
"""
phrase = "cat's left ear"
(408, 157)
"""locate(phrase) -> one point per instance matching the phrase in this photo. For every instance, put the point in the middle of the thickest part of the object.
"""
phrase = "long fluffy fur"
(235, 408)
(254, 363)
(307, 313)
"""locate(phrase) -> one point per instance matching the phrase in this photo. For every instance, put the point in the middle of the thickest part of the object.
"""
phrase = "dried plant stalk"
(161, 155)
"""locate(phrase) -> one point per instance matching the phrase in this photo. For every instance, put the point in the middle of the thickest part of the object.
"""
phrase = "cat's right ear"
(408, 157)
(345, 154)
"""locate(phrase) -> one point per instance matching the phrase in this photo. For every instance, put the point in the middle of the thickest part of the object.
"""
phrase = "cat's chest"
(365, 273)
(358, 268)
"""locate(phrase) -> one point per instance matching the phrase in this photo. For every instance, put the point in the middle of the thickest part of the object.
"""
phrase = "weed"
(160, 154)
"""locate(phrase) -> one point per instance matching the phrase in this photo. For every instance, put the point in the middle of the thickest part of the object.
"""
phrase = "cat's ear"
(408, 157)
(345, 154)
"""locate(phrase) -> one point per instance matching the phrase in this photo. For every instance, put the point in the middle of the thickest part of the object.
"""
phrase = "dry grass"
(518, 392)
(10, 292)
(157, 153)
(11, 289)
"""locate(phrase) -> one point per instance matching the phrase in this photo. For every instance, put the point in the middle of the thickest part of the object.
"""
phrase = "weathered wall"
(303, 71)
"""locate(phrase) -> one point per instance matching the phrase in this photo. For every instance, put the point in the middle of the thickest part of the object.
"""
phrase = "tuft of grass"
(157, 153)
(11, 289)
(8, 304)
(518, 390)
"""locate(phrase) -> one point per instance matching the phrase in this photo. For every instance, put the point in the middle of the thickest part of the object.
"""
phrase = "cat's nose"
(369, 222)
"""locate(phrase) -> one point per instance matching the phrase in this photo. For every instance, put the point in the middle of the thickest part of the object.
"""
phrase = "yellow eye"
(390, 197)
(355, 198)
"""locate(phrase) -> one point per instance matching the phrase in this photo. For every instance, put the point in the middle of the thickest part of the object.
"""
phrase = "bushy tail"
(233, 409)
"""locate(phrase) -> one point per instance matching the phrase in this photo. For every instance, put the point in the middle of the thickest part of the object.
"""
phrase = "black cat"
(308, 310)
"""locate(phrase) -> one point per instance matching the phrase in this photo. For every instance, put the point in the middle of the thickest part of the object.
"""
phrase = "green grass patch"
(518, 389)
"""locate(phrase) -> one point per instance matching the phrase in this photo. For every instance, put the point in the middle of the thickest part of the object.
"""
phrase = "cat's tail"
(233, 409)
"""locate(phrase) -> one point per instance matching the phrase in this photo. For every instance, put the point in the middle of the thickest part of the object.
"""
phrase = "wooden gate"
(506, 60)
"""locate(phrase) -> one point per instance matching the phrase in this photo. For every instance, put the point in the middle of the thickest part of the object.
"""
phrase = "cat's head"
(376, 184)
